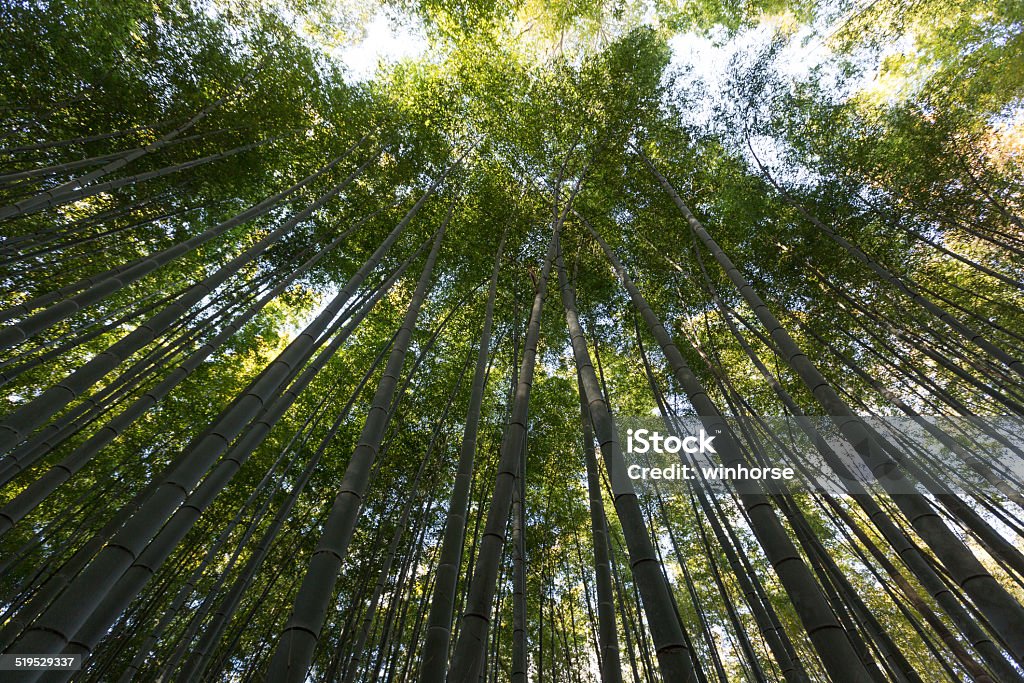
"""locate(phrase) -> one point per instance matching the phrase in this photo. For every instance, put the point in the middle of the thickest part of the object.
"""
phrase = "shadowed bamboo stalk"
(904, 288)
(670, 644)
(467, 660)
(270, 481)
(199, 656)
(905, 549)
(608, 637)
(439, 621)
(50, 144)
(61, 168)
(895, 537)
(56, 199)
(777, 640)
(401, 527)
(519, 607)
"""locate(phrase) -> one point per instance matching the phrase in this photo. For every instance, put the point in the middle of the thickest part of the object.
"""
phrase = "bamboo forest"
(480, 341)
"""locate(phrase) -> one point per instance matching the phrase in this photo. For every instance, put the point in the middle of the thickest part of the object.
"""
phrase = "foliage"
(854, 197)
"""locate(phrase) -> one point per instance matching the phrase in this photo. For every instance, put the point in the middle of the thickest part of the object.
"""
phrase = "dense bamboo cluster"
(302, 386)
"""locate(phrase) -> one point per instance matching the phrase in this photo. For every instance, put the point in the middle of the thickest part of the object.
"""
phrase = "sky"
(390, 41)
(384, 41)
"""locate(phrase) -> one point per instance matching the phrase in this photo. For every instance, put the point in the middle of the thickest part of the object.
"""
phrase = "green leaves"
(901, 133)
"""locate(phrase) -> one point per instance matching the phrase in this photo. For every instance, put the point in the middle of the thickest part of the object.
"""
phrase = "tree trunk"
(435, 648)
(467, 660)
(669, 642)
(608, 638)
